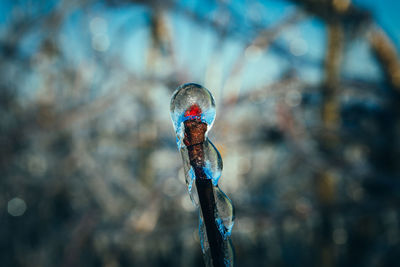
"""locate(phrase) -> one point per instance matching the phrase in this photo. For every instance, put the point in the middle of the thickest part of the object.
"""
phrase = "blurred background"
(308, 125)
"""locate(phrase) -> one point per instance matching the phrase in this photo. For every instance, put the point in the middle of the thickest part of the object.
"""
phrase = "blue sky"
(386, 13)
(197, 47)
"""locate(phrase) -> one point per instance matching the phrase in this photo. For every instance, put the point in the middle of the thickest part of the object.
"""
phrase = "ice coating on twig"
(193, 113)
(190, 102)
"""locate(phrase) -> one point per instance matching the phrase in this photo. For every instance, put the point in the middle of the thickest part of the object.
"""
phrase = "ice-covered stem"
(193, 113)
(194, 137)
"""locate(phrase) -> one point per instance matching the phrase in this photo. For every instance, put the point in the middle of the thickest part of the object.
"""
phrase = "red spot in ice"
(193, 111)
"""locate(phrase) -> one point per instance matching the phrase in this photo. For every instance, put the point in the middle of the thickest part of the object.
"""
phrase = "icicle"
(193, 113)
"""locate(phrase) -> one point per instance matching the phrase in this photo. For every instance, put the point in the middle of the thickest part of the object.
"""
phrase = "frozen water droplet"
(225, 210)
(191, 101)
(229, 254)
(189, 177)
(213, 162)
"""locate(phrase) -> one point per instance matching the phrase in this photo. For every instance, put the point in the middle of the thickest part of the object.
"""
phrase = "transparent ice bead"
(189, 102)
(212, 162)
(212, 167)
(189, 176)
(225, 212)
(229, 254)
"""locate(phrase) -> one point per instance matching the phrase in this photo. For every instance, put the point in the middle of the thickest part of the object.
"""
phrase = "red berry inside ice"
(193, 111)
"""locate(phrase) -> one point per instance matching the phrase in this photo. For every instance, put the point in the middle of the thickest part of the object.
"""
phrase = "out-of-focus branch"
(267, 36)
(330, 108)
(260, 43)
(336, 10)
(386, 55)
(325, 180)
